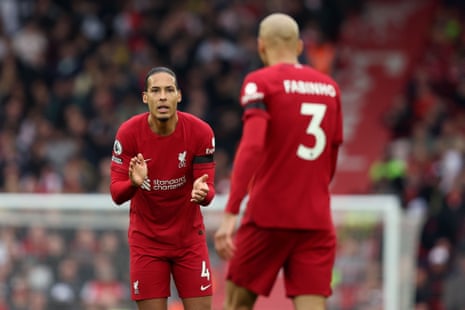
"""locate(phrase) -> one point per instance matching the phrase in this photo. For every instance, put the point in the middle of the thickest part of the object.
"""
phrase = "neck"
(163, 127)
(281, 57)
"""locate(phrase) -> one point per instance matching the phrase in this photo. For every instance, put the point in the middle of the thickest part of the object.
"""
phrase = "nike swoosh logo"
(203, 288)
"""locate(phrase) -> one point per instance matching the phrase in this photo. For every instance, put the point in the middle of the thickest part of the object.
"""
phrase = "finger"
(202, 192)
(218, 243)
(204, 178)
(227, 253)
(197, 198)
(230, 245)
(139, 159)
(224, 246)
(220, 249)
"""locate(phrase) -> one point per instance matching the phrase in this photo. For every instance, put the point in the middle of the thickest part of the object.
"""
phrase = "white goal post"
(398, 261)
(397, 291)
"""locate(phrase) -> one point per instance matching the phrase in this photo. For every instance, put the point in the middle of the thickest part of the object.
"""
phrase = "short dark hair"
(155, 70)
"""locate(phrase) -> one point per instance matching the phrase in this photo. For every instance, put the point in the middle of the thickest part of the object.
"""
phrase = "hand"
(224, 244)
(200, 189)
(137, 170)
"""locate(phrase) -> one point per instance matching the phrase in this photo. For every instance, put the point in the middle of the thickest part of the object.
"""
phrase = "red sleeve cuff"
(122, 191)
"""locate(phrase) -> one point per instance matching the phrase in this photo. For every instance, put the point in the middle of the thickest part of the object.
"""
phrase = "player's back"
(290, 187)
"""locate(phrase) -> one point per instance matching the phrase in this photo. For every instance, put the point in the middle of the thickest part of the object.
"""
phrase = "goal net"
(68, 251)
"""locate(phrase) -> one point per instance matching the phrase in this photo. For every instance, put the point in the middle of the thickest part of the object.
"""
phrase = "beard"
(163, 119)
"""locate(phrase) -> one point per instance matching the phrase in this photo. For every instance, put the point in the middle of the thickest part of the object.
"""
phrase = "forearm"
(241, 177)
(246, 161)
(334, 156)
(209, 169)
(211, 194)
(122, 190)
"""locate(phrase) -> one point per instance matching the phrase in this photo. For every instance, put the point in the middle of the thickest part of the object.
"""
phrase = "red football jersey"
(290, 186)
(161, 215)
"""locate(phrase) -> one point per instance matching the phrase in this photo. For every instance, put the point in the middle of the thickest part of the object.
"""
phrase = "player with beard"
(163, 163)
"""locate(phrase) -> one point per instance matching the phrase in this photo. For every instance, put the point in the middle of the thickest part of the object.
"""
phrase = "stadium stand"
(426, 124)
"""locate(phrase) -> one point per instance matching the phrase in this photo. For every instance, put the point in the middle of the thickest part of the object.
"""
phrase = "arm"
(203, 164)
(124, 185)
(245, 163)
(338, 137)
(334, 155)
(121, 190)
(246, 160)
(203, 189)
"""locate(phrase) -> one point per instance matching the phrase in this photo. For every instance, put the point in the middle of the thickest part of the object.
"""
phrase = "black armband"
(255, 105)
(203, 159)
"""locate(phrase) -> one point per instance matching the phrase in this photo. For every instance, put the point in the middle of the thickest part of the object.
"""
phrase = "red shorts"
(306, 256)
(151, 270)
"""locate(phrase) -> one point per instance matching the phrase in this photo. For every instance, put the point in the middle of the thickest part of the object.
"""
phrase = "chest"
(167, 157)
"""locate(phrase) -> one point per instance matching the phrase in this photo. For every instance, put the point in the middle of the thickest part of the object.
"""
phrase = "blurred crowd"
(424, 162)
(72, 71)
(43, 268)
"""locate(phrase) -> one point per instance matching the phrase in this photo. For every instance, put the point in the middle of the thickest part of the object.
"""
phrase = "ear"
(179, 96)
(144, 97)
(260, 46)
(261, 49)
(300, 47)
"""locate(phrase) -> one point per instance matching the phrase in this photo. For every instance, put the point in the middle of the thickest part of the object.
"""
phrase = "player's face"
(162, 96)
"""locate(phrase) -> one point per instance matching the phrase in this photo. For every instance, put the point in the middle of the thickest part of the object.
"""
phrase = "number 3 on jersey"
(317, 111)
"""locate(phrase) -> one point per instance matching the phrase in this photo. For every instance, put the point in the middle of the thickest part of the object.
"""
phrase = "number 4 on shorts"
(205, 272)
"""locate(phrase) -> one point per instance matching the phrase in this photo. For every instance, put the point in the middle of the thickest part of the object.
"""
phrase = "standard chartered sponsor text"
(166, 185)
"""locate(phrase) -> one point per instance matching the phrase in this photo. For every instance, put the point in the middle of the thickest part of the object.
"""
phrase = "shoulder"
(199, 132)
(259, 74)
(326, 78)
(192, 121)
(133, 123)
(319, 76)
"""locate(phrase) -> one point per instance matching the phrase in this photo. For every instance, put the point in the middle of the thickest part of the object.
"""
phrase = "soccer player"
(163, 163)
(286, 159)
